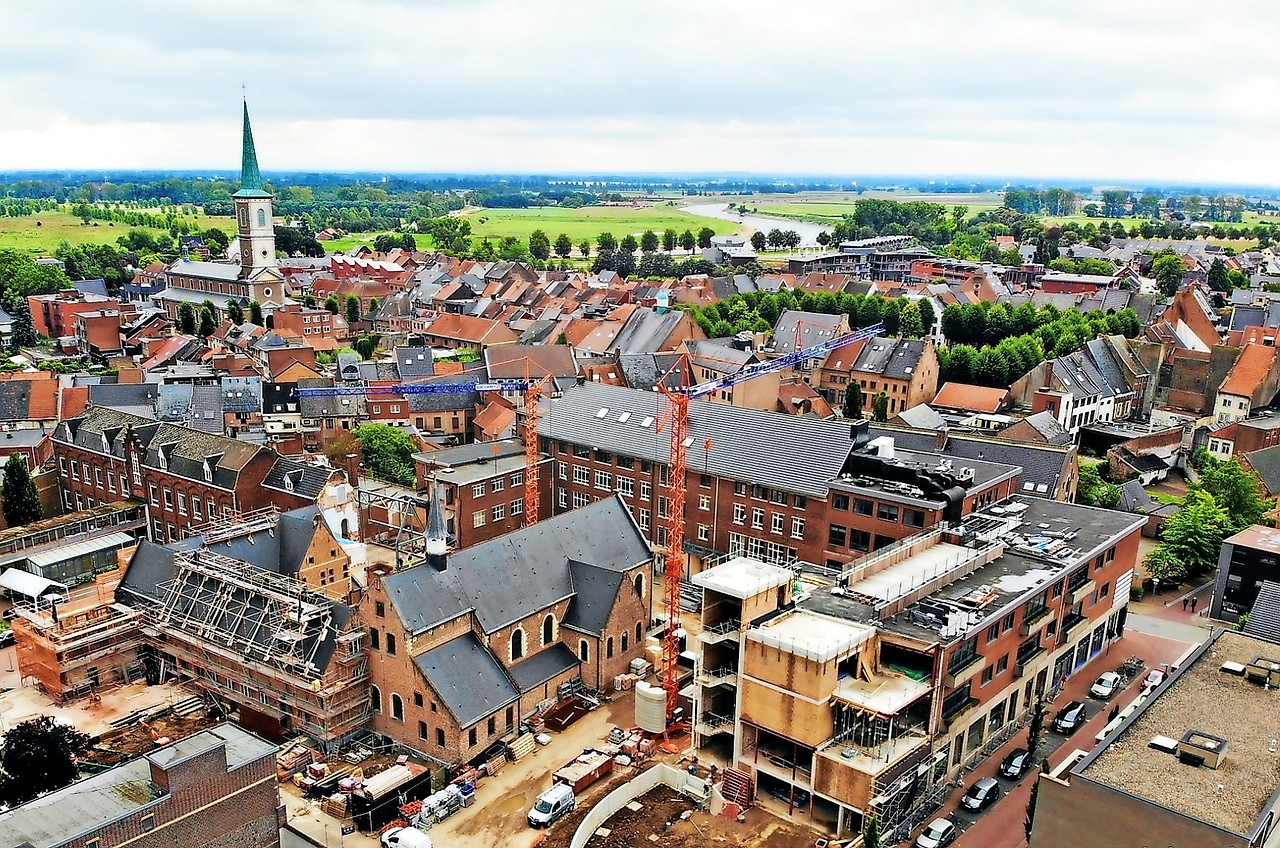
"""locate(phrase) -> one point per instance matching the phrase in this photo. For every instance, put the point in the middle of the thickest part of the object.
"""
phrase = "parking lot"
(1000, 825)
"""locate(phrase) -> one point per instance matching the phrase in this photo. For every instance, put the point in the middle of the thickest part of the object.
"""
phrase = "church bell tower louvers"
(253, 212)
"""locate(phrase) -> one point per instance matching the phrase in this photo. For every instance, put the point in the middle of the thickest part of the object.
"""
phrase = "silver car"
(938, 834)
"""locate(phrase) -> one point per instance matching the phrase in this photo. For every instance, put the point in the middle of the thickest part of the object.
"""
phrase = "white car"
(405, 837)
(1153, 679)
(1105, 686)
(938, 834)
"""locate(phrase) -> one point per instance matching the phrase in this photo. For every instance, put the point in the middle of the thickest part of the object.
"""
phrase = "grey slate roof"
(467, 676)
(643, 370)
(813, 327)
(1266, 462)
(1264, 618)
(543, 666)
(891, 357)
(645, 331)
(297, 478)
(798, 454)
(414, 363)
(1046, 425)
(595, 590)
(128, 395)
(225, 271)
(923, 416)
(510, 577)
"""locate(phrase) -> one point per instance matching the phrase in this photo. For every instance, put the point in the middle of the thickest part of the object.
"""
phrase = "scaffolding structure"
(237, 524)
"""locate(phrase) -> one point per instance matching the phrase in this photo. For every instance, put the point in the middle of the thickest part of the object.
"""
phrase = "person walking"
(1185, 601)
(1194, 601)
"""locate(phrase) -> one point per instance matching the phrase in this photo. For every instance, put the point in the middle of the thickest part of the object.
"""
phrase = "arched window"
(375, 699)
(397, 706)
(608, 648)
(640, 585)
(262, 217)
(624, 641)
(517, 644)
(584, 650)
(639, 633)
(548, 630)
(244, 217)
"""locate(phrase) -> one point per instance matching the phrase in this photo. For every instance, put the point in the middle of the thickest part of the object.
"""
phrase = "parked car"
(551, 806)
(7, 638)
(938, 834)
(405, 837)
(1070, 718)
(1153, 679)
(794, 796)
(1106, 686)
(1016, 764)
(981, 794)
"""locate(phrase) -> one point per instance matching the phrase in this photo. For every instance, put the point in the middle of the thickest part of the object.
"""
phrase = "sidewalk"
(1168, 605)
(1001, 826)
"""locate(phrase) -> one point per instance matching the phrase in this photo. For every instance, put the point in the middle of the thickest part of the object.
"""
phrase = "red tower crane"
(676, 419)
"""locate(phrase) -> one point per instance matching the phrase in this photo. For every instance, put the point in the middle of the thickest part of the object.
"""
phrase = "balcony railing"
(715, 677)
(727, 629)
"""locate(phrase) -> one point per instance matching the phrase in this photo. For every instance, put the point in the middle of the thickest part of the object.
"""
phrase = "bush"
(1136, 592)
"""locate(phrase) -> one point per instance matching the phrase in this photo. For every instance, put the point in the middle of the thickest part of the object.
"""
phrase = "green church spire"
(250, 178)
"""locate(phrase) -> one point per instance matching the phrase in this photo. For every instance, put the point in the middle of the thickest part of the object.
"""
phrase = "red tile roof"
(971, 398)
(1249, 371)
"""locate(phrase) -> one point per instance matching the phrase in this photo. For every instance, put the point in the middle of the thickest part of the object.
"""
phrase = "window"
(477, 491)
(422, 730)
(562, 470)
(478, 517)
(760, 493)
(548, 630)
(397, 707)
(739, 488)
(608, 648)
(963, 656)
(391, 644)
(1006, 623)
(799, 501)
(62, 466)
(887, 512)
(797, 528)
(375, 699)
(604, 480)
(471, 737)
(987, 674)
(562, 498)
(757, 518)
(626, 462)
(704, 533)
(111, 481)
(582, 452)
(777, 520)
(645, 490)
(182, 503)
(213, 508)
(374, 641)
(493, 725)
(439, 737)
(739, 514)
(626, 486)
(836, 536)
(779, 497)
(262, 222)
(993, 633)
(1002, 664)
(148, 822)
(97, 476)
(644, 519)
(498, 484)
(581, 475)
(517, 644)
(840, 502)
(664, 506)
(584, 651)
(517, 479)
(1105, 590)
(862, 507)
(152, 492)
(625, 637)
(499, 512)
(517, 508)
(379, 609)
(859, 540)
(913, 517)
(704, 502)
(580, 499)
(168, 498)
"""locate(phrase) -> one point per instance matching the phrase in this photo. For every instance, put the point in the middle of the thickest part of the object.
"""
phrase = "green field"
(588, 222)
(827, 207)
(41, 233)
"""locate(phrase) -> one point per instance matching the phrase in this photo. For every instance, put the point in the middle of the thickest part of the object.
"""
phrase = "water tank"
(651, 708)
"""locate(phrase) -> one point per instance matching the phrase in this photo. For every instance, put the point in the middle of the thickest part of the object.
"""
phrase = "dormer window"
(208, 471)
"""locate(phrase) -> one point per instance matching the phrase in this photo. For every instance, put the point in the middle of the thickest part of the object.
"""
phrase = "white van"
(551, 805)
(405, 837)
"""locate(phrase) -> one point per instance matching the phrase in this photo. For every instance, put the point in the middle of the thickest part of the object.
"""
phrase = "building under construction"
(253, 610)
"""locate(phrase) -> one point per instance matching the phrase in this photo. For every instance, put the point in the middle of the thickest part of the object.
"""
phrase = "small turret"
(437, 538)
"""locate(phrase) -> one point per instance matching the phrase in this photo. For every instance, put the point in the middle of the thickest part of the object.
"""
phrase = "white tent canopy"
(25, 583)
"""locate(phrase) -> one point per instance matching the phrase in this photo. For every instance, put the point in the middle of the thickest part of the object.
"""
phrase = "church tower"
(253, 212)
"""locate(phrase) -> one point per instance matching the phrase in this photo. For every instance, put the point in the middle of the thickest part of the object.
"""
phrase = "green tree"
(687, 240)
(255, 313)
(871, 832)
(584, 248)
(669, 238)
(208, 324)
(1237, 491)
(853, 399)
(928, 317)
(539, 245)
(1029, 821)
(1164, 565)
(628, 244)
(606, 241)
(331, 304)
(880, 407)
(353, 309)
(186, 319)
(910, 323)
(1237, 279)
(1168, 270)
(235, 312)
(24, 331)
(21, 502)
(39, 755)
(1092, 490)
(648, 241)
(758, 241)
(1035, 728)
(387, 452)
(704, 236)
(1194, 534)
(564, 245)
(366, 345)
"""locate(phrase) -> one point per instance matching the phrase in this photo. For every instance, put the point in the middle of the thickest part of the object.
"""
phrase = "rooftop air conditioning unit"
(1197, 748)
(1263, 670)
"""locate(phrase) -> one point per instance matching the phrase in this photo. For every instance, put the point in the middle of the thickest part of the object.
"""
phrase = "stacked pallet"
(336, 805)
(521, 747)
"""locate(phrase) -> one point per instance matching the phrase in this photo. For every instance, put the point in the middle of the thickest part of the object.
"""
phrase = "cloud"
(1124, 91)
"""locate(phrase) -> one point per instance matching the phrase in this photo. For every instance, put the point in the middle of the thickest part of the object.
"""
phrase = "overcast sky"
(1171, 90)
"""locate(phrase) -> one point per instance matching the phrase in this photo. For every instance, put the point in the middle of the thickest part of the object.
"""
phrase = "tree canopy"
(387, 452)
(21, 502)
(38, 756)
